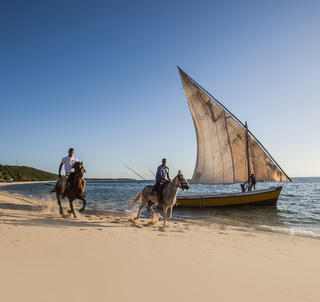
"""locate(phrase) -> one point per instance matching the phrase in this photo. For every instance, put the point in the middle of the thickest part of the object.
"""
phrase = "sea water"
(297, 211)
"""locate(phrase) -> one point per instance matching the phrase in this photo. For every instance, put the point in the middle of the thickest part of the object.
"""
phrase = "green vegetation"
(23, 173)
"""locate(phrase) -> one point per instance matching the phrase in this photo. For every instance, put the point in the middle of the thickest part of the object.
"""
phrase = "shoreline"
(3, 184)
(281, 230)
(51, 258)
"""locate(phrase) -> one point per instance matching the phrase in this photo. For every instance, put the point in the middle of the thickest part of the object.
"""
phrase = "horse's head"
(79, 168)
(182, 182)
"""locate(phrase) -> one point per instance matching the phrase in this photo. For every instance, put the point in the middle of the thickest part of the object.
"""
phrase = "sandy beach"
(44, 257)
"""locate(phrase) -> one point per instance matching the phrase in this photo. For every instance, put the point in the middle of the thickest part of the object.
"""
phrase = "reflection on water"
(298, 206)
(239, 216)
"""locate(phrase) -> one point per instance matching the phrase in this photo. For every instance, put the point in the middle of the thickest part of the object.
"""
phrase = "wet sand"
(44, 257)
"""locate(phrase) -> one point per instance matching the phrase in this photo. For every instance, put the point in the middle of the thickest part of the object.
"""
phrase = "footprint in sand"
(115, 221)
(180, 231)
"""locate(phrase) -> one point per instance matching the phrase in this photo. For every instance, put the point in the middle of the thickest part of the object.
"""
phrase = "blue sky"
(101, 76)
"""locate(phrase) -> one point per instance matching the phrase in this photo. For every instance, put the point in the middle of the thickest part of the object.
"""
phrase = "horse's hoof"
(69, 211)
(81, 210)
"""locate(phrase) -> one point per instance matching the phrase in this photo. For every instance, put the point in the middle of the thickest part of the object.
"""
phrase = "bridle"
(181, 183)
(79, 171)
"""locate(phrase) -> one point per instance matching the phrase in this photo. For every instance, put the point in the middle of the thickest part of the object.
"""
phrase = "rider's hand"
(60, 176)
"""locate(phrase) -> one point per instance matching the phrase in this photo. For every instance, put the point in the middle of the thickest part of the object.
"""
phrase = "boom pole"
(134, 172)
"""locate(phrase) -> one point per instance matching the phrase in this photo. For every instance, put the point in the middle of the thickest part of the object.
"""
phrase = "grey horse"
(169, 196)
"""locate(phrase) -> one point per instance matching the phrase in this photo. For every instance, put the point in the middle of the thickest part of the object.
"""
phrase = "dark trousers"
(158, 187)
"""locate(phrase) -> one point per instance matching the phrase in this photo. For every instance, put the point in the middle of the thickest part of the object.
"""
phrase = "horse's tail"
(138, 197)
(53, 190)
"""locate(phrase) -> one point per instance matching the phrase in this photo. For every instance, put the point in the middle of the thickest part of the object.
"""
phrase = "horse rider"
(68, 163)
(251, 182)
(162, 178)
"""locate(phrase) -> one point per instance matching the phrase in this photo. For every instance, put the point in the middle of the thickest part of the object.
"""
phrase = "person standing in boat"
(162, 178)
(251, 183)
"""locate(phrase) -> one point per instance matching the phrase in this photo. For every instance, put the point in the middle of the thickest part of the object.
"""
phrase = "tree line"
(24, 173)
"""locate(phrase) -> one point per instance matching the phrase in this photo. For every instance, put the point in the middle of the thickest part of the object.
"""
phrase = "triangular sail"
(224, 146)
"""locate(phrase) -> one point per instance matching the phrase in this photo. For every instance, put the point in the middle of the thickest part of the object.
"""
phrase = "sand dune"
(44, 257)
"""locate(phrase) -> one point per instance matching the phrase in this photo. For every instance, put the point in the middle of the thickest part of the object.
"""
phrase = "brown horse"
(75, 189)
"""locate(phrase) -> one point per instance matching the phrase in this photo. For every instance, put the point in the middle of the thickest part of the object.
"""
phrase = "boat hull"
(260, 197)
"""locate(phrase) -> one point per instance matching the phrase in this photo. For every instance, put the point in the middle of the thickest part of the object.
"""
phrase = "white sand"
(44, 257)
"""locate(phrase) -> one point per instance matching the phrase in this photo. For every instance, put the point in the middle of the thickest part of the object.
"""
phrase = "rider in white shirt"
(68, 162)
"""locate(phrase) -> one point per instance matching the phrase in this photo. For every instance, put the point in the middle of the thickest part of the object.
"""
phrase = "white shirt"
(68, 163)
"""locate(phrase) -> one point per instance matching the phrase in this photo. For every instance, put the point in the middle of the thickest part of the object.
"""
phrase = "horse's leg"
(84, 205)
(164, 207)
(72, 208)
(170, 215)
(150, 205)
(59, 203)
(143, 204)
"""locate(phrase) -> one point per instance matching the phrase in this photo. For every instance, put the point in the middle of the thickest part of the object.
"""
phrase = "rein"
(179, 185)
(78, 175)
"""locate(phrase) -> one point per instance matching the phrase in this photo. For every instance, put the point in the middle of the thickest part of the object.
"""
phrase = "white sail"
(227, 153)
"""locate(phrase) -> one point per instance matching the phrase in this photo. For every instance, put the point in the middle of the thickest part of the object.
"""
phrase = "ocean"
(297, 211)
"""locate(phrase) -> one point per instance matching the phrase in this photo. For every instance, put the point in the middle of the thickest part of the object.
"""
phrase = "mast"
(247, 148)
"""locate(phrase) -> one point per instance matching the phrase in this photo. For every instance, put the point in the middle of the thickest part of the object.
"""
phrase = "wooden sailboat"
(227, 153)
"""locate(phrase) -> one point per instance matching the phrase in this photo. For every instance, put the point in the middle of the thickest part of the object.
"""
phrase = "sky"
(101, 76)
